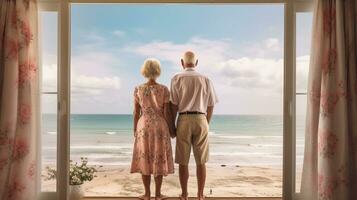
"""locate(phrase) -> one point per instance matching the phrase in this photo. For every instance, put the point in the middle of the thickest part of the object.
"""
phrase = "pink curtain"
(330, 171)
(19, 94)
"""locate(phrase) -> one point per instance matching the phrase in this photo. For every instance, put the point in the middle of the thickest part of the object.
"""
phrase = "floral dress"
(152, 152)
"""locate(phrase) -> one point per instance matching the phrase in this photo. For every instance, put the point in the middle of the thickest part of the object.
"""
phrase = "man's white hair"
(189, 58)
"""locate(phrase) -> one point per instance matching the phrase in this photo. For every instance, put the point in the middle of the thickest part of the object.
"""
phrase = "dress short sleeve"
(166, 95)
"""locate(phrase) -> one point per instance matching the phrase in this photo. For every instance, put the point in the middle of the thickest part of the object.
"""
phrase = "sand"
(226, 180)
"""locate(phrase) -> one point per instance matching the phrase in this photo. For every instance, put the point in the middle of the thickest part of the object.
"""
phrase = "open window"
(244, 62)
(64, 119)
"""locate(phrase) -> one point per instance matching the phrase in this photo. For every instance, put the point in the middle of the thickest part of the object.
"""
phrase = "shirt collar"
(190, 69)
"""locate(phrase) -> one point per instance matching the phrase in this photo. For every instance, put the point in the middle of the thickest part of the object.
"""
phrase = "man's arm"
(209, 113)
(173, 102)
(174, 109)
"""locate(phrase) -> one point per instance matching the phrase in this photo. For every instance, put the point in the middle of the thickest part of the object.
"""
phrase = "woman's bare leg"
(146, 181)
(158, 183)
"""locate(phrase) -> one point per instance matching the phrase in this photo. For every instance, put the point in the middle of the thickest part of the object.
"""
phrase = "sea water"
(107, 139)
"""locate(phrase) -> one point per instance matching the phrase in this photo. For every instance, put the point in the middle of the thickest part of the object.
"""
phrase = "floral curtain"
(19, 98)
(330, 163)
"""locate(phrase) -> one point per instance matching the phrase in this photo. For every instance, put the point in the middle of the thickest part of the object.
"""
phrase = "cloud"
(267, 48)
(119, 33)
(49, 77)
(94, 85)
(272, 44)
(91, 62)
(208, 51)
(93, 73)
(253, 72)
(241, 68)
(79, 83)
(302, 70)
(257, 65)
(88, 76)
(266, 73)
(94, 37)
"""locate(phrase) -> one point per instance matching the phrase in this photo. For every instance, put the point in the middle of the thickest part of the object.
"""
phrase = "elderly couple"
(192, 96)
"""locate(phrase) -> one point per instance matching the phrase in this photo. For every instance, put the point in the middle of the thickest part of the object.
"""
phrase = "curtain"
(19, 99)
(329, 171)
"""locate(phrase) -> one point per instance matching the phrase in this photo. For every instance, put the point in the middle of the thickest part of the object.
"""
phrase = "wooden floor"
(172, 198)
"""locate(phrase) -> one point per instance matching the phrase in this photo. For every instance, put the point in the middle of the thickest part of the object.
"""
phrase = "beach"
(235, 181)
(245, 155)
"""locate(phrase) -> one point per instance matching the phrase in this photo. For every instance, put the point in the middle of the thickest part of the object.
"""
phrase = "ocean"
(244, 140)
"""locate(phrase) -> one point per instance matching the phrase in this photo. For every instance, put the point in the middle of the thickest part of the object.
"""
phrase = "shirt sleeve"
(173, 92)
(212, 99)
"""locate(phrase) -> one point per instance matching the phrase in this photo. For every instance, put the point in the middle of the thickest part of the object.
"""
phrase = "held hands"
(173, 132)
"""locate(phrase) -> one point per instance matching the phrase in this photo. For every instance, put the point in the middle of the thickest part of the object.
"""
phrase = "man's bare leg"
(183, 174)
(201, 180)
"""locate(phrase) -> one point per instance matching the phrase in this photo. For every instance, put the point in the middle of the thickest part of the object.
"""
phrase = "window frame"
(301, 7)
(45, 6)
(62, 7)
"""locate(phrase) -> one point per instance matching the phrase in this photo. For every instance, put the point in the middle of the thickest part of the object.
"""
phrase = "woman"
(152, 124)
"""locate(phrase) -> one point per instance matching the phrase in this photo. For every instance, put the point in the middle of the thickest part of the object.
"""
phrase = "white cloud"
(268, 48)
(253, 72)
(93, 82)
(49, 77)
(272, 44)
(87, 72)
(119, 33)
(220, 60)
(252, 67)
(209, 52)
(79, 83)
(302, 69)
(92, 73)
(93, 37)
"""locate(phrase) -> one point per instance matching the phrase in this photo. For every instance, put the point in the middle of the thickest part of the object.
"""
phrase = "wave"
(111, 133)
(89, 147)
(52, 133)
(271, 145)
(247, 136)
(242, 154)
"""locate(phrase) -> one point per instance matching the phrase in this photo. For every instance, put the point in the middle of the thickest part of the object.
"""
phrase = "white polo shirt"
(192, 91)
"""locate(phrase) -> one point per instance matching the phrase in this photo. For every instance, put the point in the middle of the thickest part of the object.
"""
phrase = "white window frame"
(50, 6)
(291, 7)
(300, 7)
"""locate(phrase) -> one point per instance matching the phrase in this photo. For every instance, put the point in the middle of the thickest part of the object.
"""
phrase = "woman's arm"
(168, 117)
(136, 114)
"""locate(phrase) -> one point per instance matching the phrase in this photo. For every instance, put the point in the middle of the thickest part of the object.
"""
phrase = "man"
(193, 97)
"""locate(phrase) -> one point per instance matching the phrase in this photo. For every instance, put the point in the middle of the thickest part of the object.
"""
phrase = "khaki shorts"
(192, 130)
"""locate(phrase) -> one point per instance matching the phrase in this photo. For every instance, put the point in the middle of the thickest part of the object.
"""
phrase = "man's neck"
(189, 69)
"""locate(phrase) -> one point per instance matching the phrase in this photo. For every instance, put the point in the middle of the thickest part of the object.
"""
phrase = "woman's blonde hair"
(151, 68)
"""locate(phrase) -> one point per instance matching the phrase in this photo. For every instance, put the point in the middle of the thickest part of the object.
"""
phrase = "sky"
(239, 47)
